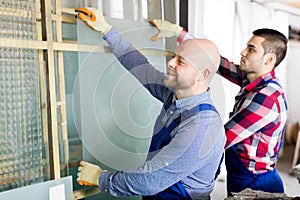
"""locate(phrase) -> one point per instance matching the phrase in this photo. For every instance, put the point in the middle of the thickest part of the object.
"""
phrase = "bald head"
(202, 54)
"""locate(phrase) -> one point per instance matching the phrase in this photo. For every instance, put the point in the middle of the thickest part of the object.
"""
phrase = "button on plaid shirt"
(256, 124)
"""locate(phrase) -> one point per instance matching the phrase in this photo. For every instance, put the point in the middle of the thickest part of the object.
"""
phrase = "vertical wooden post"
(47, 35)
(62, 92)
(43, 95)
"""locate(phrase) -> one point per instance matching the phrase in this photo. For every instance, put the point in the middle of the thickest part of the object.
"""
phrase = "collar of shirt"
(180, 105)
(193, 100)
(258, 81)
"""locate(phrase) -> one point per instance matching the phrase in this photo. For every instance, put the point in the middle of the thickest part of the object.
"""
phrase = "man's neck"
(180, 94)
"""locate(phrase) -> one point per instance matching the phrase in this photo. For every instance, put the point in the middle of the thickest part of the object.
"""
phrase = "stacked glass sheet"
(20, 120)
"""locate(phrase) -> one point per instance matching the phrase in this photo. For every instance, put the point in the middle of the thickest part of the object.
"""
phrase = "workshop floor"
(291, 184)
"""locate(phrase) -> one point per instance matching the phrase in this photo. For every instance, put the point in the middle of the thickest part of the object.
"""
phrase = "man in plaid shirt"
(255, 129)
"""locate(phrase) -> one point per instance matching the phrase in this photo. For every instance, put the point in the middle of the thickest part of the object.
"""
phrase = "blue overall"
(240, 178)
(161, 139)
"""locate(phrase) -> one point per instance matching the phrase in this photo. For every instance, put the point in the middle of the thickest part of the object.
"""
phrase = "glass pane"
(21, 141)
(114, 115)
(39, 191)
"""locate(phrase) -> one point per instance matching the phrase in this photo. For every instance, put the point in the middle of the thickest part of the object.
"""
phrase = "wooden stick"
(54, 160)
(80, 194)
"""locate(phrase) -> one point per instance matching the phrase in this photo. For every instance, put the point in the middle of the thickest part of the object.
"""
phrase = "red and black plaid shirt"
(257, 122)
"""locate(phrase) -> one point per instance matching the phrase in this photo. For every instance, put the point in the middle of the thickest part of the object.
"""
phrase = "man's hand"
(88, 174)
(94, 19)
(165, 29)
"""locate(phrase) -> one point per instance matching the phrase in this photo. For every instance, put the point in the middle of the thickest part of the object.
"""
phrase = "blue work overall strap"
(239, 177)
(161, 139)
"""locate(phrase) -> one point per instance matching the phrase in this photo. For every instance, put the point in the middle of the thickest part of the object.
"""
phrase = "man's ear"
(204, 74)
(270, 59)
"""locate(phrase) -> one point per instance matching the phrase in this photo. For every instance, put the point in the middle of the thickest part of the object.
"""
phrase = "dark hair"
(275, 42)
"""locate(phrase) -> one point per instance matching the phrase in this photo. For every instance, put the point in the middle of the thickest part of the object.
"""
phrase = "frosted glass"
(113, 113)
(39, 191)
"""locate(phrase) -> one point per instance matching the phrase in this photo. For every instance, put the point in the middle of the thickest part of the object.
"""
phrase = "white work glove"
(88, 174)
(165, 29)
(94, 19)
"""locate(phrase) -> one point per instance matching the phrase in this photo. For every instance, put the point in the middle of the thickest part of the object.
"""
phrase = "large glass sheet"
(40, 191)
(114, 115)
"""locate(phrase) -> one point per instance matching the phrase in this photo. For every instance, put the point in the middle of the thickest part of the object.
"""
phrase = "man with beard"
(188, 137)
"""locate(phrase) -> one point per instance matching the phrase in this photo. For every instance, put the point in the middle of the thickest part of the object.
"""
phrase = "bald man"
(255, 128)
(188, 136)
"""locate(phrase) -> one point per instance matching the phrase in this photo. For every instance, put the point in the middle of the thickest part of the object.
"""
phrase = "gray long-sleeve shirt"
(196, 147)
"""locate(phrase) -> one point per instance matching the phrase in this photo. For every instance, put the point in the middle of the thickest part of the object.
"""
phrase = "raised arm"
(166, 29)
(135, 62)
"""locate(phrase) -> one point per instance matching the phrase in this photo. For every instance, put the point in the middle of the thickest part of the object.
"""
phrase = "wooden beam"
(16, 12)
(284, 7)
(293, 4)
(79, 47)
(42, 45)
(80, 194)
(46, 19)
(29, 44)
(43, 86)
(64, 18)
(62, 92)
(72, 46)
(68, 10)
(67, 15)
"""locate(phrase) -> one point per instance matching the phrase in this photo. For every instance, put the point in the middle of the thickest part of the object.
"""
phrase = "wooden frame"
(49, 47)
(52, 87)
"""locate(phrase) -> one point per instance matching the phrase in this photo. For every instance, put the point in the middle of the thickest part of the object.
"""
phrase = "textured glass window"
(20, 115)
